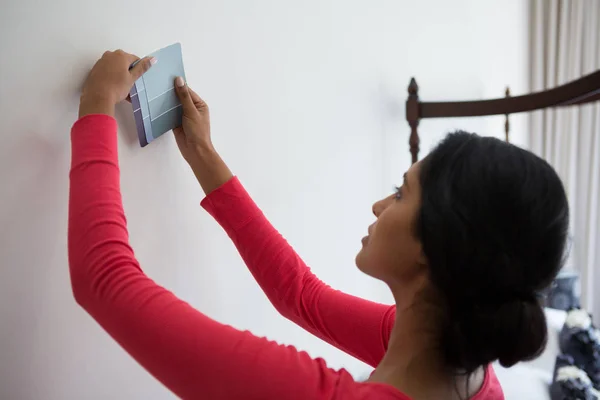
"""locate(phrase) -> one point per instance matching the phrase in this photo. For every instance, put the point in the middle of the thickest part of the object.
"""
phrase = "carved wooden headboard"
(583, 90)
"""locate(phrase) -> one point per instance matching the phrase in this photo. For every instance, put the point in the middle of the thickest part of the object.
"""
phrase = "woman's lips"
(365, 240)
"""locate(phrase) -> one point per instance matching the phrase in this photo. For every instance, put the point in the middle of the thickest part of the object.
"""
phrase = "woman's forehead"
(413, 172)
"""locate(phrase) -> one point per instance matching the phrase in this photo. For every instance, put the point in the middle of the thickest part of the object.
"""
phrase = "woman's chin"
(365, 265)
(359, 260)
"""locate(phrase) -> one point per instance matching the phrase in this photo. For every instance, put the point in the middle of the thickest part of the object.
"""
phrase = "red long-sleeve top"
(190, 353)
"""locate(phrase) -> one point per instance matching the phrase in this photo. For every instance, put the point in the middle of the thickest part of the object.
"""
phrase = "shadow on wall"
(127, 128)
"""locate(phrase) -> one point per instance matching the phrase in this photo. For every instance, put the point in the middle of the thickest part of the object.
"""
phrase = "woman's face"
(391, 252)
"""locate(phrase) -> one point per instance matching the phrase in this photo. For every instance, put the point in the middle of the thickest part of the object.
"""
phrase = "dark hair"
(493, 223)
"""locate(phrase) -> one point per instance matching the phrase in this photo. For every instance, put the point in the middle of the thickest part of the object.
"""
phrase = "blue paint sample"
(159, 79)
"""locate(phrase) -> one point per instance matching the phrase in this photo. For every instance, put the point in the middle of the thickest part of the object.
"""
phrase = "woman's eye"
(398, 194)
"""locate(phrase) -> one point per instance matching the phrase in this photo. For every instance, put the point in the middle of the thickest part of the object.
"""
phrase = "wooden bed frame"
(583, 90)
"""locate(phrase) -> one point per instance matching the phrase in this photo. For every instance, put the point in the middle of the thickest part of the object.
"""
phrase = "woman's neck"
(413, 362)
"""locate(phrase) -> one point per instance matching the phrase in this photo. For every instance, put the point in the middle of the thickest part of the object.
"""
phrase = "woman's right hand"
(193, 140)
(193, 136)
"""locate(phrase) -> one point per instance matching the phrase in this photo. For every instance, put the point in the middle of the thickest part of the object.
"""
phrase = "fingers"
(198, 102)
(141, 67)
(183, 92)
(130, 57)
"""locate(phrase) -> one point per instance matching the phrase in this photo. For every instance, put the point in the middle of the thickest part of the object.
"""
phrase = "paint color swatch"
(156, 107)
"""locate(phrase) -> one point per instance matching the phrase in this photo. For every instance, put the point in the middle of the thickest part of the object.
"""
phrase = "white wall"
(307, 104)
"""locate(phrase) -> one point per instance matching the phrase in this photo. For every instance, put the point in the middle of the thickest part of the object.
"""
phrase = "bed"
(583, 90)
(525, 380)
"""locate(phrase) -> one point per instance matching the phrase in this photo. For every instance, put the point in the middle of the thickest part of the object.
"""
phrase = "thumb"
(141, 66)
(183, 93)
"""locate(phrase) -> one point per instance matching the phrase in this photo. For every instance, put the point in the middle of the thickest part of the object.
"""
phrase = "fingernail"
(153, 61)
(179, 82)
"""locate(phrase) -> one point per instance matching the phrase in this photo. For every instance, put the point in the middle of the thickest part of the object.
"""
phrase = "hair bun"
(510, 332)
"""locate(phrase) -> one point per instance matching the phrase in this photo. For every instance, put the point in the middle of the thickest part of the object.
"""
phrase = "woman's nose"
(381, 205)
(375, 209)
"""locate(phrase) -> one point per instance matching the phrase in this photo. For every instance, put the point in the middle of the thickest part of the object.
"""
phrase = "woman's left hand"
(110, 81)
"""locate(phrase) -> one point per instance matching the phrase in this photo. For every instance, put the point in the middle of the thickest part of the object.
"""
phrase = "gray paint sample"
(167, 120)
(164, 103)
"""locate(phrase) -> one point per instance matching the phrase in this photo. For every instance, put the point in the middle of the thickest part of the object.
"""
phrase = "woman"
(475, 231)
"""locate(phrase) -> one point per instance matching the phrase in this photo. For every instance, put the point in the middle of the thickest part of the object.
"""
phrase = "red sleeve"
(354, 325)
(193, 355)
